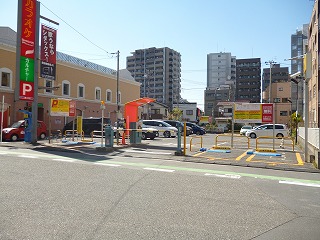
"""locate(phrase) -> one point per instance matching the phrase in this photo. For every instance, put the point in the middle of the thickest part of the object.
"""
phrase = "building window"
(283, 113)
(276, 100)
(5, 77)
(189, 112)
(97, 93)
(65, 88)
(80, 90)
(109, 95)
(280, 89)
(48, 86)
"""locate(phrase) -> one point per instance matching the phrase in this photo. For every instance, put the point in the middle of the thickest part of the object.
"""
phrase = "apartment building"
(85, 82)
(299, 42)
(158, 70)
(278, 74)
(248, 80)
(221, 77)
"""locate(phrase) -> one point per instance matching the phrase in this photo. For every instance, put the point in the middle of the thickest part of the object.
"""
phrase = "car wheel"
(42, 136)
(198, 133)
(279, 135)
(143, 136)
(14, 137)
(166, 134)
(253, 135)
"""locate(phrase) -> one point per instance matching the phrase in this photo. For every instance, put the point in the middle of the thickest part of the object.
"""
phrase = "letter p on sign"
(26, 90)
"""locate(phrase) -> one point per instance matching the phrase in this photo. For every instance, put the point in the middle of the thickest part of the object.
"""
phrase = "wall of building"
(88, 106)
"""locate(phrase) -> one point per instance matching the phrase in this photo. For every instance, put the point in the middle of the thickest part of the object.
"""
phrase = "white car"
(266, 130)
(165, 129)
(244, 129)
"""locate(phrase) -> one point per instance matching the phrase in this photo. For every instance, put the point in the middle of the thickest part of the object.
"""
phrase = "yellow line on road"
(198, 154)
(249, 158)
(241, 156)
(299, 159)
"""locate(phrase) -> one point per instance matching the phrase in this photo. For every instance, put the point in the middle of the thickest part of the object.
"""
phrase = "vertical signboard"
(63, 107)
(48, 52)
(27, 31)
(267, 112)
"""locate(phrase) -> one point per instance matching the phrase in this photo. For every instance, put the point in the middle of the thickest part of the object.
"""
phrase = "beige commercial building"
(85, 82)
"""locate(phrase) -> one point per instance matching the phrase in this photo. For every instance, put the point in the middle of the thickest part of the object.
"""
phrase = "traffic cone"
(123, 141)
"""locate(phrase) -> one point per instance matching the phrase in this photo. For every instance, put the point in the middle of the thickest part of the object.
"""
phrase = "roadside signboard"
(48, 53)
(253, 113)
(26, 56)
(63, 107)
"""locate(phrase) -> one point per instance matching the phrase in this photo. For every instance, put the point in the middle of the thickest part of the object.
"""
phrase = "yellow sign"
(248, 113)
(79, 124)
(60, 107)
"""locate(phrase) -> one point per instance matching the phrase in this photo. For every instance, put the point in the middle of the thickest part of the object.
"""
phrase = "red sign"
(27, 49)
(267, 113)
(72, 108)
(28, 28)
(48, 52)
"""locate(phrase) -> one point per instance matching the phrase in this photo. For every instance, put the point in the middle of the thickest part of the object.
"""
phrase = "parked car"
(196, 129)
(244, 129)
(178, 124)
(149, 133)
(17, 130)
(266, 130)
(88, 125)
(165, 129)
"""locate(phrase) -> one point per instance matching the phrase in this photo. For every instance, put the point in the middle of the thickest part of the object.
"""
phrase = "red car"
(16, 131)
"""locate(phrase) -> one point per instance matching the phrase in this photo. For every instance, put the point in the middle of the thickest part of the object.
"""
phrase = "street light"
(271, 63)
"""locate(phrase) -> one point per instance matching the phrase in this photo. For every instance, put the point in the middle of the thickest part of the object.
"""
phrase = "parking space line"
(241, 156)
(250, 158)
(198, 154)
(299, 159)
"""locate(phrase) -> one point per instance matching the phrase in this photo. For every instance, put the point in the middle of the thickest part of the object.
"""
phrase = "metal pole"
(2, 112)
(118, 106)
(270, 82)
(34, 116)
(297, 115)
(306, 120)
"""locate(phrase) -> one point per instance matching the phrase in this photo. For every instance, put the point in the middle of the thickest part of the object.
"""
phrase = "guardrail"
(197, 143)
(72, 134)
(281, 142)
(229, 135)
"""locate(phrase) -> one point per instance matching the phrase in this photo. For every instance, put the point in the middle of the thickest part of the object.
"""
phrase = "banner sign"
(253, 113)
(48, 53)
(63, 107)
(27, 49)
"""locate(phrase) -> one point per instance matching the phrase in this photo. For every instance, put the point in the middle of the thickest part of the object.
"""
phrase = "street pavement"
(282, 159)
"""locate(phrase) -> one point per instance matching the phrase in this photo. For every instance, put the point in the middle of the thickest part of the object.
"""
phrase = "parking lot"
(242, 151)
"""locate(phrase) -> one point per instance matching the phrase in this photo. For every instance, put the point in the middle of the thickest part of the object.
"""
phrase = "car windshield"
(246, 127)
(166, 124)
(16, 124)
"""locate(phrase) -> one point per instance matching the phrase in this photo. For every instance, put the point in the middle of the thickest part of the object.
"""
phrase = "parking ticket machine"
(28, 125)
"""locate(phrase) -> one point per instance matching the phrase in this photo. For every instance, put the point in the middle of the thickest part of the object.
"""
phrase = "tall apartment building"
(221, 76)
(299, 42)
(248, 80)
(278, 74)
(159, 72)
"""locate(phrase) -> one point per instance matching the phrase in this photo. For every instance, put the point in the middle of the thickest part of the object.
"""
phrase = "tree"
(176, 114)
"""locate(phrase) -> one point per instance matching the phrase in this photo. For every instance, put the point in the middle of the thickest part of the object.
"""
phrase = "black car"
(88, 125)
(178, 124)
(196, 129)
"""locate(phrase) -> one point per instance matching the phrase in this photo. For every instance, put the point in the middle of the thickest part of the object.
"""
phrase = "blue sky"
(246, 28)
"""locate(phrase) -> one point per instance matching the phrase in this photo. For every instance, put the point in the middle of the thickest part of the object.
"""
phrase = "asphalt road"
(64, 195)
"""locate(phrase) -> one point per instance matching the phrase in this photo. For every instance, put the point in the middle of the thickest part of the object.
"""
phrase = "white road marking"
(223, 175)
(27, 156)
(136, 151)
(63, 160)
(107, 164)
(159, 169)
(300, 183)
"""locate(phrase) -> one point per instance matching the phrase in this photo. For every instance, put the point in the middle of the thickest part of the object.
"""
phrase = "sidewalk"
(98, 149)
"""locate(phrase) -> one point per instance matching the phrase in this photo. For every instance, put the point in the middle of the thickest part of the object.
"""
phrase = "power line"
(75, 29)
